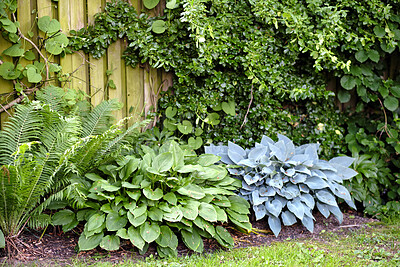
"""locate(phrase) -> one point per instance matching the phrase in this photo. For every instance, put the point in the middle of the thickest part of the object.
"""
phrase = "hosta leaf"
(63, 217)
(192, 190)
(225, 236)
(137, 221)
(90, 242)
(278, 150)
(236, 148)
(207, 212)
(325, 197)
(276, 181)
(149, 231)
(239, 205)
(288, 218)
(344, 161)
(191, 210)
(153, 194)
(135, 237)
(324, 209)
(114, 222)
(308, 200)
(139, 211)
(275, 225)
(163, 162)
(296, 207)
(256, 199)
(250, 179)
(95, 221)
(260, 211)
(192, 240)
(342, 192)
(208, 159)
(167, 238)
(238, 217)
(265, 140)
(175, 215)
(290, 191)
(122, 233)
(267, 191)
(345, 173)
(256, 153)
(155, 214)
(110, 242)
(308, 223)
(274, 207)
(336, 211)
(171, 198)
(221, 214)
(298, 178)
(316, 183)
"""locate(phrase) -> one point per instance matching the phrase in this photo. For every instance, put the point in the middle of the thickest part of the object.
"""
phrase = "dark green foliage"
(285, 182)
(155, 195)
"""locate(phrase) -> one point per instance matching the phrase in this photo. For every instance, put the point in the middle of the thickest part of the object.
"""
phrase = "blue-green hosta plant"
(285, 182)
(158, 195)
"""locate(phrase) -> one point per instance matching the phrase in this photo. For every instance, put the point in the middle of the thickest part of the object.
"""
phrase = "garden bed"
(60, 248)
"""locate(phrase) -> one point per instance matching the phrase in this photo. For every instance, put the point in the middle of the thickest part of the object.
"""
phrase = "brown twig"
(384, 126)
(37, 49)
(248, 108)
(17, 100)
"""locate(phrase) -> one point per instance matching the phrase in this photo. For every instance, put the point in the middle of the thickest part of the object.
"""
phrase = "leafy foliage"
(285, 182)
(152, 196)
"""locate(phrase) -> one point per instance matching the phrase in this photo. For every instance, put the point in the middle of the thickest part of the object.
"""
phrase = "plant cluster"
(156, 195)
(285, 182)
(268, 62)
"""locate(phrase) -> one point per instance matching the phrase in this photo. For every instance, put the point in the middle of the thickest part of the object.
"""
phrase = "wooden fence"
(136, 88)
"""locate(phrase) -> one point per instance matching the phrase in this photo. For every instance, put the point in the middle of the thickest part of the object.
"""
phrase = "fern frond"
(98, 120)
(25, 126)
(52, 96)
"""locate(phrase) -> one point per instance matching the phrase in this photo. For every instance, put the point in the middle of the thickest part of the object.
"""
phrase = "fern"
(98, 120)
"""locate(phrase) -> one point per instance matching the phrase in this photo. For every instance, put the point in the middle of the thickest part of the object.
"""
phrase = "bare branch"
(248, 108)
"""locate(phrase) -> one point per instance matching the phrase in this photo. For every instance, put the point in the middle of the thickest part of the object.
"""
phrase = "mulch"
(59, 248)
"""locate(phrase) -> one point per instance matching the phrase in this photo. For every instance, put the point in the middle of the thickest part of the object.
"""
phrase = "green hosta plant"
(285, 182)
(162, 194)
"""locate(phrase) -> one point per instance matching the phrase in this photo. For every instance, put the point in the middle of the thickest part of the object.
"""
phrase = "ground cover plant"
(285, 182)
(156, 196)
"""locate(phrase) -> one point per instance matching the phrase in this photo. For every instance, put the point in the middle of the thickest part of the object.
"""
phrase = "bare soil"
(58, 248)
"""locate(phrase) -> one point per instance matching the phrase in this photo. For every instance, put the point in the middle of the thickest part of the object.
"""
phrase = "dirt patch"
(60, 248)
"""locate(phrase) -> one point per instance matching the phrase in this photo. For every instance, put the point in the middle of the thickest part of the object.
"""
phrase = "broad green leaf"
(237, 216)
(135, 238)
(344, 96)
(361, 56)
(212, 119)
(192, 190)
(191, 210)
(137, 221)
(395, 90)
(171, 4)
(33, 75)
(110, 242)
(170, 112)
(114, 221)
(7, 71)
(149, 231)
(379, 31)
(129, 185)
(174, 215)
(129, 168)
(95, 221)
(150, 4)
(171, 198)
(167, 238)
(374, 55)
(207, 212)
(185, 127)
(391, 103)
(14, 51)
(55, 45)
(208, 159)
(195, 143)
(163, 162)
(48, 25)
(348, 82)
(239, 205)
(8, 25)
(90, 242)
(139, 211)
(29, 55)
(2, 240)
(69, 226)
(192, 240)
(63, 217)
(122, 233)
(155, 214)
(224, 236)
(153, 194)
(229, 107)
(108, 187)
(159, 26)
(221, 214)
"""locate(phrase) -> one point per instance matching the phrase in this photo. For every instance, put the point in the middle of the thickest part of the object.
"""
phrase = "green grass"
(372, 245)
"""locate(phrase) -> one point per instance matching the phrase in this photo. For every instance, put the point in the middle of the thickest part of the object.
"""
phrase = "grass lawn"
(372, 245)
